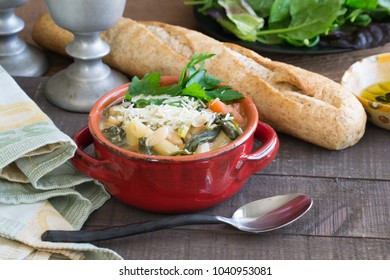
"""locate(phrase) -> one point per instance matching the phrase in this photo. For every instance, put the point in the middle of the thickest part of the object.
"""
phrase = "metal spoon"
(258, 216)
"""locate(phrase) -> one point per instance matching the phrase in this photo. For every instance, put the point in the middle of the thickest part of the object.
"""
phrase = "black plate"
(213, 29)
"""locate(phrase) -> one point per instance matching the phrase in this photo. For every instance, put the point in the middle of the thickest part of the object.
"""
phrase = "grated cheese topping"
(190, 112)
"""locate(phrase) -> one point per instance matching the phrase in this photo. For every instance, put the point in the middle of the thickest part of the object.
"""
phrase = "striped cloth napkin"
(39, 188)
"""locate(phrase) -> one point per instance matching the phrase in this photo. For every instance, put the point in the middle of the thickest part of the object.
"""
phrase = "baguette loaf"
(292, 100)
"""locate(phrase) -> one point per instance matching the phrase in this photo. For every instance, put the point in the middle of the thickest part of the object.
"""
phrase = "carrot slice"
(218, 106)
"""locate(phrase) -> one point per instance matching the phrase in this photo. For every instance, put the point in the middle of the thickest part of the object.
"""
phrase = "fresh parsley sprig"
(193, 82)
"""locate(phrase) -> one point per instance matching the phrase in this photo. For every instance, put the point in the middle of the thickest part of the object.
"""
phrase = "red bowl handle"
(101, 170)
(265, 154)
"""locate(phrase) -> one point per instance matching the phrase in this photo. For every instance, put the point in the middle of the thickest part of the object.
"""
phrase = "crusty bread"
(292, 100)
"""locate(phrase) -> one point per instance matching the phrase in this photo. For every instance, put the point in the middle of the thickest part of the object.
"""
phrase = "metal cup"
(17, 57)
(80, 85)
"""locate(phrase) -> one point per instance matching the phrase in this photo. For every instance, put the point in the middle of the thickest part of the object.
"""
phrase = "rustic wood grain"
(349, 218)
(214, 245)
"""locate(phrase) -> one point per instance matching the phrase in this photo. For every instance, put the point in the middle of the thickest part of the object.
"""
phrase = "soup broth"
(195, 115)
(178, 126)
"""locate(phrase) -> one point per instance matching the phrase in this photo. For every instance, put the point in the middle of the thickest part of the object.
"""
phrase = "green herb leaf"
(224, 93)
(193, 82)
(172, 90)
(195, 90)
(147, 86)
(210, 82)
(196, 77)
(199, 84)
(196, 59)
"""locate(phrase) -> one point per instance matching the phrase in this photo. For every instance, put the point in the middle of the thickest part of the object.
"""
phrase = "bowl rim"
(366, 102)
(117, 94)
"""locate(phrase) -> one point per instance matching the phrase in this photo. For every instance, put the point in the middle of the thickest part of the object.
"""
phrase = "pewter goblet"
(80, 85)
(17, 57)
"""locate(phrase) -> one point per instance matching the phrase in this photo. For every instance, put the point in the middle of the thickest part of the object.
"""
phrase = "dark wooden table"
(350, 217)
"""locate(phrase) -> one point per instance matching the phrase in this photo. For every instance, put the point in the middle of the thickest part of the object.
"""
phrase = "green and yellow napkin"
(39, 188)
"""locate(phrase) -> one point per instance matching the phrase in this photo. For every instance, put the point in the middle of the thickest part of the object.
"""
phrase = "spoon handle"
(127, 230)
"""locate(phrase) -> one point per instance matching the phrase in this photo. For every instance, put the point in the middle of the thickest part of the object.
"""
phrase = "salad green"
(295, 22)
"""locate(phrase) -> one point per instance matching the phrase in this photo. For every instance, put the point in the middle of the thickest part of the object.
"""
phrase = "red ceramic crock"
(169, 184)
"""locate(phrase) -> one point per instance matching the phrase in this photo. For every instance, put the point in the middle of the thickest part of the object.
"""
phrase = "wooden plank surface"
(349, 218)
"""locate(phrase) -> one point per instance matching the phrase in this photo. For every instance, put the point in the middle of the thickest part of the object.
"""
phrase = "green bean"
(202, 137)
(230, 129)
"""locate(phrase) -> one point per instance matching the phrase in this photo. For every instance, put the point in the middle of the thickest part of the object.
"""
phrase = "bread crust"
(308, 105)
(292, 100)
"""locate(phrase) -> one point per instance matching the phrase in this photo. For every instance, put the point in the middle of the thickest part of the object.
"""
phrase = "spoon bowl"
(258, 216)
(271, 213)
